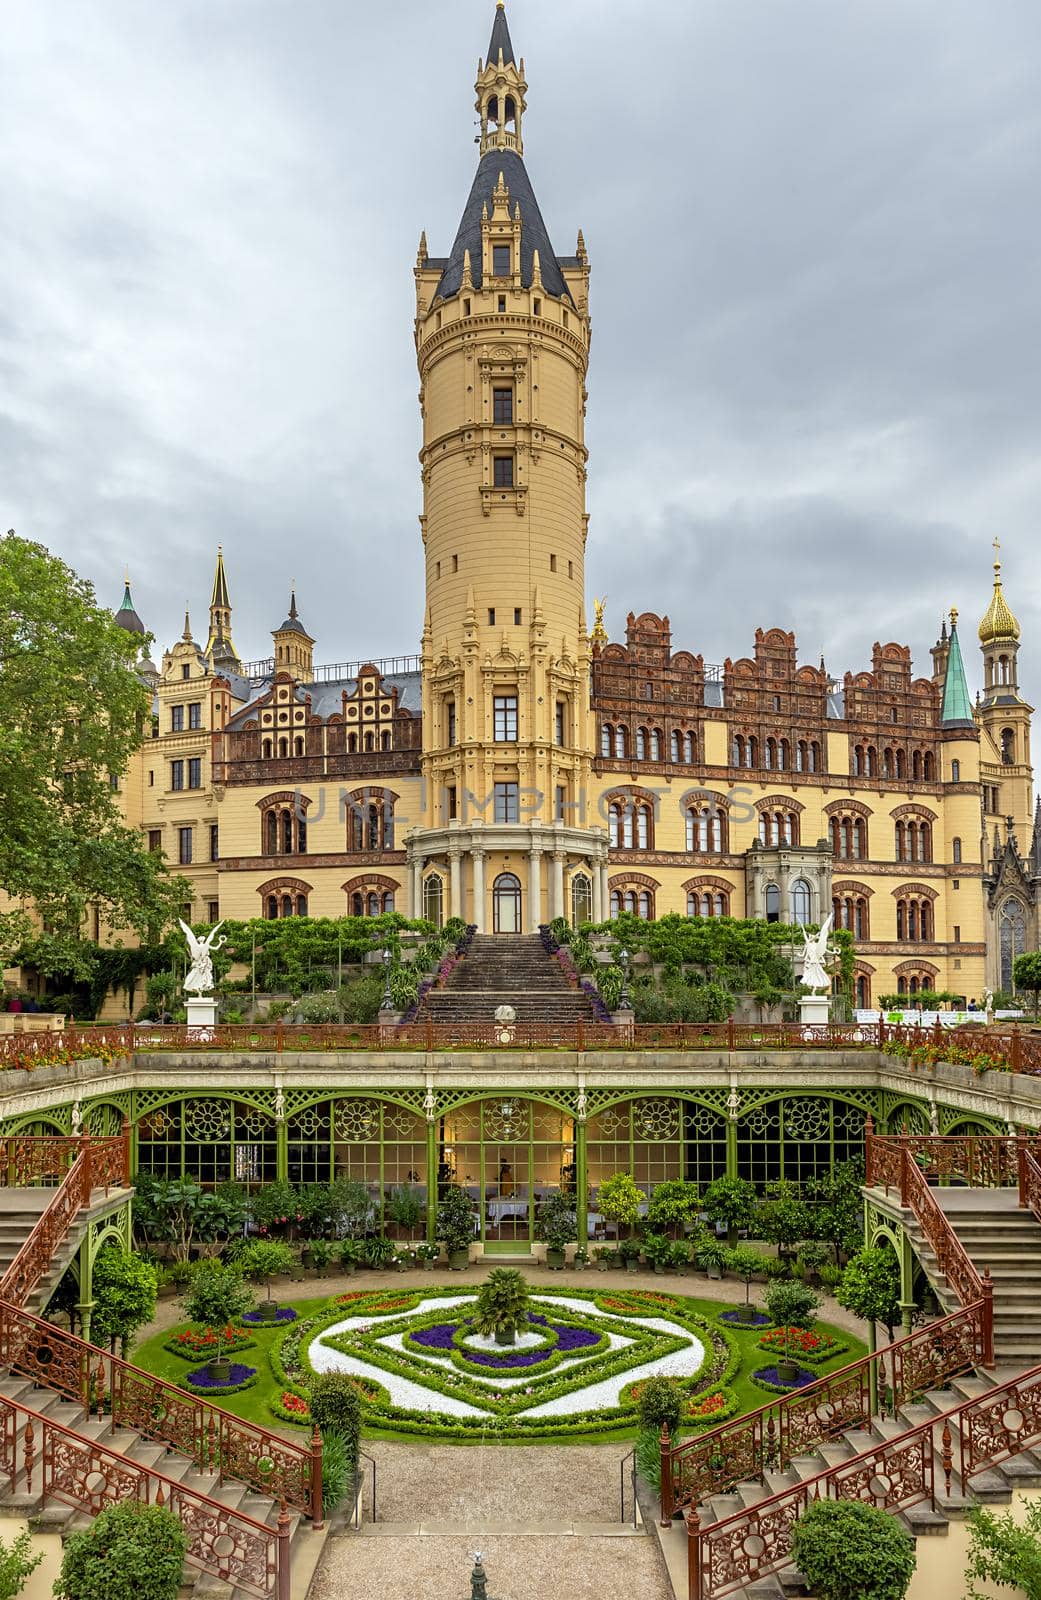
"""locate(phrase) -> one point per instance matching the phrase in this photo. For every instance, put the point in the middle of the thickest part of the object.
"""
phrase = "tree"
(674, 1205)
(129, 1552)
(731, 1202)
(17, 1561)
(619, 1200)
(837, 1207)
(661, 1405)
(870, 1288)
(1004, 1553)
(124, 1297)
(747, 1264)
(216, 1296)
(791, 1305)
(847, 1550)
(261, 1259)
(1026, 974)
(72, 710)
(784, 1217)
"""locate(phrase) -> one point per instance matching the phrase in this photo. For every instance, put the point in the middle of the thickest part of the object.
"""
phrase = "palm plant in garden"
(216, 1296)
(502, 1305)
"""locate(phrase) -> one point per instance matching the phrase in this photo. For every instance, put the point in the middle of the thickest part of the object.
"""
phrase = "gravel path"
(439, 1568)
(491, 1484)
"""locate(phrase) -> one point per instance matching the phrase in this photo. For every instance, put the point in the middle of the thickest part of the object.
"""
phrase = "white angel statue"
(814, 975)
(200, 974)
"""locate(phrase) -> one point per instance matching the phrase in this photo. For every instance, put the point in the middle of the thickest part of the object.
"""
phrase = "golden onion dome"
(999, 622)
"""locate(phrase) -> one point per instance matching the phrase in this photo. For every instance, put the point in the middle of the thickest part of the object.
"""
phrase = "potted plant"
(406, 1209)
(260, 1260)
(216, 1296)
(502, 1305)
(673, 1206)
(580, 1260)
(712, 1257)
(556, 1226)
(791, 1305)
(455, 1226)
(404, 1258)
(605, 1256)
(321, 1252)
(731, 1202)
(747, 1264)
(378, 1251)
(349, 1253)
(657, 1250)
(680, 1255)
(629, 1254)
(427, 1254)
(620, 1201)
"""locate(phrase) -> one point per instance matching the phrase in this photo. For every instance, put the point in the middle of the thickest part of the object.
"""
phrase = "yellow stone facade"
(522, 768)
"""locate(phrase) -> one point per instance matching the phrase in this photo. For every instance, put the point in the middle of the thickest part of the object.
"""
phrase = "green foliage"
(837, 1207)
(124, 1296)
(1004, 1553)
(216, 1296)
(730, 1202)
(455, 1219)
(648, 1458)
(661, 1405)
(502, 1303)
(276, 1205)
(17, 1561)
(406, 1207)
(72, 710)
(674, 1205)
(336, 1407)
(619, 1200)
(178, 1212)
(924, 1000)
(657, 1249)
(848, 1550)
(557, 1221)
(1026, 974)
(378, 1251)
(791, 1305)
(784, 1217)
(129, 1552)
(747, 1264)
(262, 1259)
(870, 1287)
(338, 1469)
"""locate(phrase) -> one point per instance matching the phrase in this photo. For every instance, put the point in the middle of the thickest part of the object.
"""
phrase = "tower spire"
(500, 50)
(219, 645)
(957, 707)
(500, 90)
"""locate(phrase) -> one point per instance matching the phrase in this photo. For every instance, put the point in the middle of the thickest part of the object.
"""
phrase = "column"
(581, 1184)
(535, 889)
(598, 895)
(417, 886)
(605, 890)
(455, 885)
(557, 900)
(432, 1159)
(478, 879)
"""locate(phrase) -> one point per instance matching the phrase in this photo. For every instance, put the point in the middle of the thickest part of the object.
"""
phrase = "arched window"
(506, 903)
(298, 745)
(955, 771)
(606, 742)
(434, 900)
(352, 744)
(1008, 746)
(272, 908)
(705, 830)
(901, 764)
(737, 751)
(1012, 939)
(645, 905)
(385, 741)
(370, 821)
(815, 757)
(770, 759)
(689, 749)
(784, 755)
(265, 749)
(956, 851)
(801, 756)
(619, 744)
(283, 749)
(753, 751)
(773, 903)
(693, 904)
(802, 902)
(929, 767)
(581, 900)
(301, 906)
(616, 904)
(655, 744)
(641, 744)
(674, 747)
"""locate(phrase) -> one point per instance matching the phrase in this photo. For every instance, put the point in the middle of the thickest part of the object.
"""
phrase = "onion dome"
(999, 624)
(126, 616)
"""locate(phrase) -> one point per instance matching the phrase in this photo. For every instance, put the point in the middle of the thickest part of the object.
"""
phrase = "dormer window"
(502, 257)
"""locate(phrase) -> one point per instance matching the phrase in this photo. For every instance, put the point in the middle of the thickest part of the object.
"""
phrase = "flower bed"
(256, 1320)
(734, 1319)
(709, 1410)
(240, 1377)
(768, 1378)
(811, 1345)
(195, 1343)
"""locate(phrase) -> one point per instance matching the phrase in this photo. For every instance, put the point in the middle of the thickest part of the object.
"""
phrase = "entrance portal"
(506, 902)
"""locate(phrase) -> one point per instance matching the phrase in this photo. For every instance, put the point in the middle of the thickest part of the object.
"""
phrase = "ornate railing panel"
(894, 1474)
(29, 1160)
(40, 1456)
(980, 1162)
(215, 1440)
(1029, 1180)
(767, 1439)
(98, 1163)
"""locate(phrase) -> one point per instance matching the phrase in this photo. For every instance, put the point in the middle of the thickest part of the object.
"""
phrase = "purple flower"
(770, 1375)
(283, 1314)
(576, 1339)
(201, 1379)
(439, 1337)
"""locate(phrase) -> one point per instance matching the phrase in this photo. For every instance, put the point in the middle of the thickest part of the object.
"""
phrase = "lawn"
(253, 1404)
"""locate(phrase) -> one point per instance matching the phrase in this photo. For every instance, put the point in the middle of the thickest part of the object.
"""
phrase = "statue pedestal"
(202, 1011)
(815, 1010)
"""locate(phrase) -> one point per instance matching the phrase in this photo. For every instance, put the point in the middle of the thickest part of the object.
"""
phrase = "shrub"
(661, 1405)
(748, 1264)
(407, 1208)
(619, 1200)
(336, 1408)
(848, 1550)
(791, 1306)
(731, 1202)
(17, 1561)
(339, 1465)
(129, 1552)
(556, 1224)
(455, 1219)
(502, 1303)
(673, 1205)
(870, 1287)
(216, 1296)
(262, 1258)
(124, 1296)
(1003, 1552)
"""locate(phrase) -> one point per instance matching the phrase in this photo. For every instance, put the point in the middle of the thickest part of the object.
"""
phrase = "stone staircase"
(998, 1234)
(508, 970)
(52, 1516)
(993, 1487)
(20, 1211)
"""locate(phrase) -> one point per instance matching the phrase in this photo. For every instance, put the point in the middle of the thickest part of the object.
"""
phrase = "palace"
(524, 766)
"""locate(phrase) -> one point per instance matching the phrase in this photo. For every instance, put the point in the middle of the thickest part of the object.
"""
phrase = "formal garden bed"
(575, 1372)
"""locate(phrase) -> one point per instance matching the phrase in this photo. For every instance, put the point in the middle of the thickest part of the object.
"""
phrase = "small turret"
(219, 645)
(957, 706)
(126, 616)
(294, 647)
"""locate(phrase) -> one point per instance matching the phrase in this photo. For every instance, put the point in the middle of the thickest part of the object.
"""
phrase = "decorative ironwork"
(206, 1121)
(357, 1120)
(656, 1119)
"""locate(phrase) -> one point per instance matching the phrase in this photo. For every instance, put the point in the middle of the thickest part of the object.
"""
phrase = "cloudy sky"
(815, 395)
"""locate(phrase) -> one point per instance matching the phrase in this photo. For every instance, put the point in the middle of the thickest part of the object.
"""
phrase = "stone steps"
(508, 971)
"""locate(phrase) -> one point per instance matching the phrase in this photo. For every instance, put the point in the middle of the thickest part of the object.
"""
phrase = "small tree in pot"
(747, 1264)
(556, 1226)
(455, 1226)
(620, 1201)
(730, 1202)
(406, 1208)
(216, 1296)
(502, 1305)
(791, 1305)
(260, 1260)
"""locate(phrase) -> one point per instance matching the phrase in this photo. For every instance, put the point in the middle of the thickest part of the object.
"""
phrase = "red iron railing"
(39, 1455)
(95, 1164)
(1029, 1177)
(1008, 1048)
(895, 1474)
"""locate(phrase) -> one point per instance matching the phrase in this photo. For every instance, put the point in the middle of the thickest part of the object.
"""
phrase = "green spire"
(957, 707)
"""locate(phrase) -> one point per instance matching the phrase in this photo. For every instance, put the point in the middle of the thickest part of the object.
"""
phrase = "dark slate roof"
(501, 40)
(534, 235)
(126, 616)
(327, 698)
